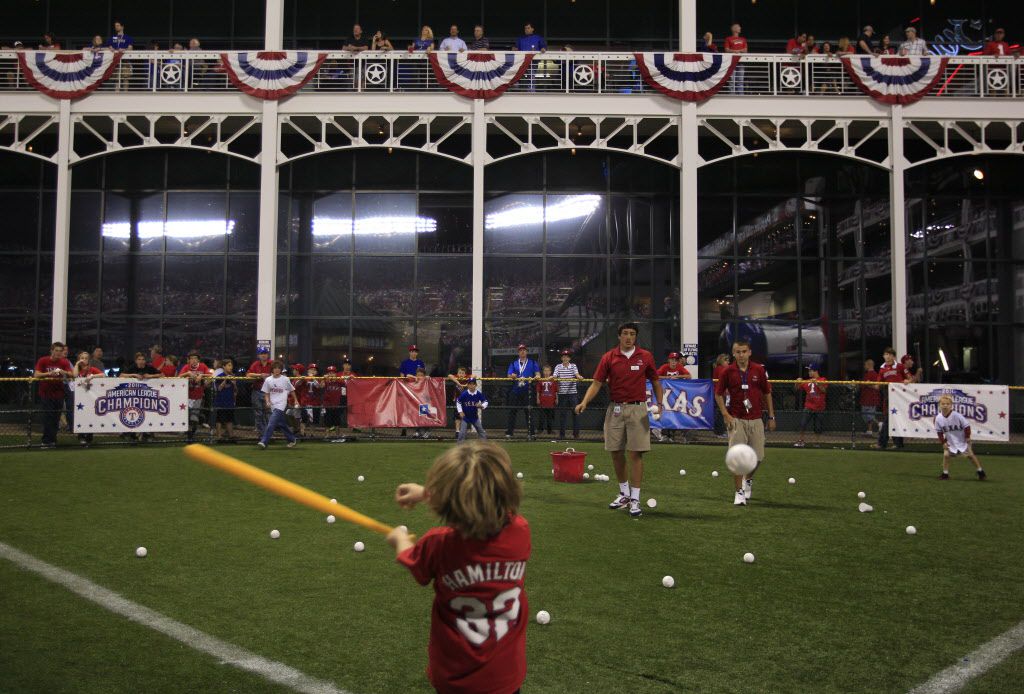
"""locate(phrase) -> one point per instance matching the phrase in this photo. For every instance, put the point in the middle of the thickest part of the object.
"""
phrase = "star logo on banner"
(181, 407)
(1002, 415)
(80, 406)
(894, 411)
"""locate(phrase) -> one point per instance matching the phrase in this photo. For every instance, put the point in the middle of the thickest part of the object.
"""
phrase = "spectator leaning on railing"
(709, 43)
(866, 41)
(530, 42)
(735, 43)
(479, 42)
(51, 371)
(120, 41)
(381, 42)
(453, 42)
(357, 43)
(425, 42)
(197, 374)
(913, 45)
(998, 45)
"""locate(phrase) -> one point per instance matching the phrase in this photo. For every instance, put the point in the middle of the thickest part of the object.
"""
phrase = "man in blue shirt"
(522, 371)
(530, 42)
(120, 41)
(469, 405)
(409, 366)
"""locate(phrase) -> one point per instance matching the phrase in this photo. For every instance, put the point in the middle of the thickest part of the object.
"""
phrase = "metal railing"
(845, 423)
(553, 72)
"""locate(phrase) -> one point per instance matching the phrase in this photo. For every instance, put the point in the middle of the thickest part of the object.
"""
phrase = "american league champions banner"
(120, 405)
(913, 406)
(688, 404)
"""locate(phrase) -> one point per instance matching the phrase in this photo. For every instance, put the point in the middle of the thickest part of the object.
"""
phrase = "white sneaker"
(748, 485)
(740, 500)
(634, 508)
(621, 501)
(261, 444)
(291, 444)
(656, 433)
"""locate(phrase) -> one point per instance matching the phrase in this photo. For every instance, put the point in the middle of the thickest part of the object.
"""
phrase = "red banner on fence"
(393, 402)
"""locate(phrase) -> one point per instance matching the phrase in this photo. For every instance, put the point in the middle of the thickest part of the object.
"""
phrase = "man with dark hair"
(119, 40)
(866, 42)
(627, 430)
(530, 42)
(522, 371)
(96, 359)
(51, 371)
(198, 375)
(257, 373)
(746, 383)
(889, 372)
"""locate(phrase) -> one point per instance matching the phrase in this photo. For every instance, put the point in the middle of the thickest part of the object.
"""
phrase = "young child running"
(955, 436)
(477, 561)
(468, 407)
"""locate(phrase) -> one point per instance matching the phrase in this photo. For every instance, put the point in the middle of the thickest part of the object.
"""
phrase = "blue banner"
(687, 404)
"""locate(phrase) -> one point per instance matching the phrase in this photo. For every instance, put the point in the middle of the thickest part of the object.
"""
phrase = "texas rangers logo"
(927, 406)
(131, 401)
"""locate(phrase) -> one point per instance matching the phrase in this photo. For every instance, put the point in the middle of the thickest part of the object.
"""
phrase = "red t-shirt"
(717, 372)
(814, 394)
(167, 369)
(666, 371)
(735, 43)
(158, 361)
(52, 388)
(263, 369)
(869, 396)
(333, 386)
(313, 392)
(547, 393)
(195, 388)
(301, 386)
(997, 48)
(732, 381)
(627, 376)
(794, 46)
(478, 622)
(891, 373)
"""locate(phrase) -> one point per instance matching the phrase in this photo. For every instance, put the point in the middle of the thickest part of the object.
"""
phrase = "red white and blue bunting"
(271, 74)
(67, 75)
(687, 76)
(895, 80)
(479, 75)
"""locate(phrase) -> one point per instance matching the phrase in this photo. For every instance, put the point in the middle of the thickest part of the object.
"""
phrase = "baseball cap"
(332, 368)
(675, 355)
(905, 357)
(262, 349)
(522, 347)
(812, 367)
(566, 353)
(298, 367)
(312, 365)
(471, 379)
(414, 348)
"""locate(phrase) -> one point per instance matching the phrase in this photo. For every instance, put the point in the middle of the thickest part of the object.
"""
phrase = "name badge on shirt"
(634, 367)
(745, 387)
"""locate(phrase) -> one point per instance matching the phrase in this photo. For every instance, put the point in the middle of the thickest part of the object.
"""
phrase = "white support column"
(274, 25)
(688, 26)
(478, 143)
(266, 291)
(62, 217)
(688, 297)
(898, 231)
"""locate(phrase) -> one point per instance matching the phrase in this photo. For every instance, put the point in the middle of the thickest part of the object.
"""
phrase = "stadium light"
(942, 358)
(573, 207)
(979, 174)
(396, 225)
(178, 229)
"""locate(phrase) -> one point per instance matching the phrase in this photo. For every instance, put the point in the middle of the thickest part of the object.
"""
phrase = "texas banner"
(120, 405)
(912, 409)
(395, 402)
(687, 404)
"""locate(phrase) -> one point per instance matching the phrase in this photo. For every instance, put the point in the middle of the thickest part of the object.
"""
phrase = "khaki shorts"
(628, 431)
(750, 432)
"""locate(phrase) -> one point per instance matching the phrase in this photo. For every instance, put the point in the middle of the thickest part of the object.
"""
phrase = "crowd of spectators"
(118, 40)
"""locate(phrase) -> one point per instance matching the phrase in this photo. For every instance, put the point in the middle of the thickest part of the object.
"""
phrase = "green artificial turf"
(836, 601)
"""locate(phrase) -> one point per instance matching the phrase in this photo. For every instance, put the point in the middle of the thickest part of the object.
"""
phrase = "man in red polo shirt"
(626, 368)
(257, 373)
(736, 44)
(51, 372)
(198, 375)
(746, 383)
(813, 388)
(889, 372)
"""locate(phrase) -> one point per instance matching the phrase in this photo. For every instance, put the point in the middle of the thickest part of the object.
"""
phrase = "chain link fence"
(846, 422)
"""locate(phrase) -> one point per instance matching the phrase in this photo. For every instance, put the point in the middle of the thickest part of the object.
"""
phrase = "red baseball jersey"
(261, 368)
(158, 361)
(52, 388)
(717, 372)
(167, 369)
(478, 622)
(891, 373)
(735, 43)
(814, 394)
(997, 48)
(751, 385)
(195, 388)
(313, 393)
(547, 393)
(333, 387)
(869, 396)
(666, 371)
(301, 387)
(627, 376)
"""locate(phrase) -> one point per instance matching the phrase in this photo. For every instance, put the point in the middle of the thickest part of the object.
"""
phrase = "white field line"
(225, 652)
(976, 663)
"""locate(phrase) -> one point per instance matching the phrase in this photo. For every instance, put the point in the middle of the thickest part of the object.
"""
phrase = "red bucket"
(568, 465)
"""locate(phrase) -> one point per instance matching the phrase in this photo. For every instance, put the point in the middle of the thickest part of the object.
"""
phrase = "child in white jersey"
(955, 436)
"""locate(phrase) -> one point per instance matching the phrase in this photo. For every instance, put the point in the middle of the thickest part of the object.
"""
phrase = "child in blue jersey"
(470, 404)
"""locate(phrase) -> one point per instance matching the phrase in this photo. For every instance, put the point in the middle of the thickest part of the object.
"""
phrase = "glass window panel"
(287, 223)
(144, 283)
(582, 19)
(243, 273)
(332, 223)
(382, 286)
(181, 334)
(284, 292)
(45, 284)
(196, 222)
(18, 335)
(587, 339)
(21, 220)
(379, 346)
(85, 221)
(141, 169)
(239, 339)
(439, 173)
(122, 336)
(716, 288)
(663, 227)
(769, 173)
(814, 276)
(514, 224)
(665, 289)
(503, 336)
(194, 284)
(641, 175)
(115, 284)
(515, 174)
(575, 223)
(197, 170)
(18, 283)
(82, 332)
(445, 345)
(505, 22)
(714, 226)
(445, 286)
(83, 285)
(640, 227)
(513, 288)
(377, 169)
(244, 216)
(618, 225)
(151, 223)
(387, 223)
(117, 219)
(328, 343)
(47, 221)
(448, 219)
(766, 226)
(776, 300)
(581, 169)
(330, 286)
(577, 288)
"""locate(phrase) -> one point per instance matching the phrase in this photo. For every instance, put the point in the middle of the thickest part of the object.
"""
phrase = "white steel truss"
(32, 134)
(926, 140)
